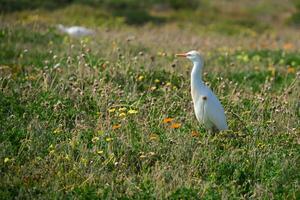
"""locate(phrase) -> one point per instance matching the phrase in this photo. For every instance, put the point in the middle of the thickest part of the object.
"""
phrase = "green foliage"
(295, 18)
(84, 117)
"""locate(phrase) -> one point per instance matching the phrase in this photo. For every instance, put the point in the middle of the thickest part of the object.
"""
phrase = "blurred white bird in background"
(75, 31)
(208, 108)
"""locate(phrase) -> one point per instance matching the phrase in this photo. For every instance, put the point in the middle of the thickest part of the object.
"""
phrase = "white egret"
(208, 109)
(75, 31)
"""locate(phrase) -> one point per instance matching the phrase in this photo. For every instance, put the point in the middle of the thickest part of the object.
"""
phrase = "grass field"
(110, 116)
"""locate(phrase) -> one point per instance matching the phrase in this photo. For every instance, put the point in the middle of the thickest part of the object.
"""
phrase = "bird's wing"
(215, 112)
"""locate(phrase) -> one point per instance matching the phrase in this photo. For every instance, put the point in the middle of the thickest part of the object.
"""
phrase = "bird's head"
(194, 56)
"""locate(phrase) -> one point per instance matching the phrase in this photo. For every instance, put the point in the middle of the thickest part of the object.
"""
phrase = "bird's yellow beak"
(180, 55)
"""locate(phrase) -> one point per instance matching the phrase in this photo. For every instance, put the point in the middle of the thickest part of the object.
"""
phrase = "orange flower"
(288, 46)
(116, 126)
(291, 70)
(175, 125)
(167, 120)
(195, 134)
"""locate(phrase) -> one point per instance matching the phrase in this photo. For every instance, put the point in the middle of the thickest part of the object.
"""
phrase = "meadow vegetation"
(110, 116)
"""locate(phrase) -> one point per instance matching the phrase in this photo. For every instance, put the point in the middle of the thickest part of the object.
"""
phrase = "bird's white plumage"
(75, 31)
(208, 109)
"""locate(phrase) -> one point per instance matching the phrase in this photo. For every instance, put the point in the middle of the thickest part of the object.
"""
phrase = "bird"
(208, 109)
(75, 31)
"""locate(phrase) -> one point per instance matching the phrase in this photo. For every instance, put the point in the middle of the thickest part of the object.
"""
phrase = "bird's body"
(76, 31)
(208, 109)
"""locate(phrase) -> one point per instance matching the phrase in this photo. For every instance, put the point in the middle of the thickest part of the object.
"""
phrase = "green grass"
(83, 118)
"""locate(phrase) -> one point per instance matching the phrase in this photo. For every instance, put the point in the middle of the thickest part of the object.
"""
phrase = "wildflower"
(57, 65)
(288, 46)
(175, 125)
(195, 134)
(140, 78)
(108, 139)
(167, 120)
(153, 88)
(111, 110)
(291, 70)
(131, 111)
(157, 81)
(168, 84)
(95, 139)
(57, 130)
(143, 156)
(122, 114)
(6, 160)
(161, 54)
(153, 136)
(116, 126)
(122, 109)
(100, 152)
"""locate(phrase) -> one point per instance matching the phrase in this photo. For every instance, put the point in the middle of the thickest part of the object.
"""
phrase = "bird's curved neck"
(196, 75)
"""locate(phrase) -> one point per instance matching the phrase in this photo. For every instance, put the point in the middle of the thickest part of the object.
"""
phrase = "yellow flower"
(57, 130)
(140, 78)
(122, 109)
(131, 111)
(100, 152)
(6, 160)
(122, 114)
(153, 88)
(168, 84)
(95, 139)
(153, 136)
(111, 110)
(157, 81)
(108, 139)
